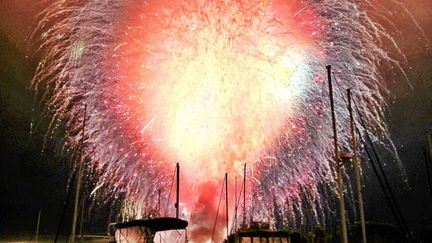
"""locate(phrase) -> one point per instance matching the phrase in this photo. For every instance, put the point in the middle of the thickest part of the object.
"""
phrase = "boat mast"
(338, 162)
(235, 203)
(244, 195)
(37, 226)
(78, 185)
(177, 189)
(226, 203)
(356, 162)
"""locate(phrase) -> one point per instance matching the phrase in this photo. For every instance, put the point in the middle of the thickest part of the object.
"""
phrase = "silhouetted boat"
(144, 231)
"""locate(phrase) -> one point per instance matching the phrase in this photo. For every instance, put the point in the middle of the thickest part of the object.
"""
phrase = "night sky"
(34, 170)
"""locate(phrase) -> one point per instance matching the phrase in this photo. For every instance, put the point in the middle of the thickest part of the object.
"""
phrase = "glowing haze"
(211, 85)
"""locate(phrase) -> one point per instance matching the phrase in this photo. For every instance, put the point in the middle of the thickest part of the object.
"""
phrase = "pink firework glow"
(212, 85)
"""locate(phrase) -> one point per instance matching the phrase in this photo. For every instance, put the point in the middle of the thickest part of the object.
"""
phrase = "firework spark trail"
(212, 85)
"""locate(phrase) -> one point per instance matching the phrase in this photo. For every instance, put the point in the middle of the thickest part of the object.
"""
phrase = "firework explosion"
(211, 85)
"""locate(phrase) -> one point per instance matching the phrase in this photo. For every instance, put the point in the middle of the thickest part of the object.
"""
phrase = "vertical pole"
(428, 171)
(78, 185)
(65, 203)
(356, 161)
(178, 189)
(235, 204)
(226, 203)
(37, 226)
(159, 201)
(82, 218)
(344, 234)
(244, 195)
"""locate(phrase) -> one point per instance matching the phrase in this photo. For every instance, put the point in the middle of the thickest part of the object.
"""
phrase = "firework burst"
(212, 85)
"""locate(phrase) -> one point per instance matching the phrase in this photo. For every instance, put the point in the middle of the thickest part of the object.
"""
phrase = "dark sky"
(31, 179)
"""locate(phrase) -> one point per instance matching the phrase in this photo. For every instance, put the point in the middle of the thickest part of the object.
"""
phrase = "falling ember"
(212, 85)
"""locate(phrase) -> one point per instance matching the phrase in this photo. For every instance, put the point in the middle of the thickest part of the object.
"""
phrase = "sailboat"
(258, 232)
(144, 230)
